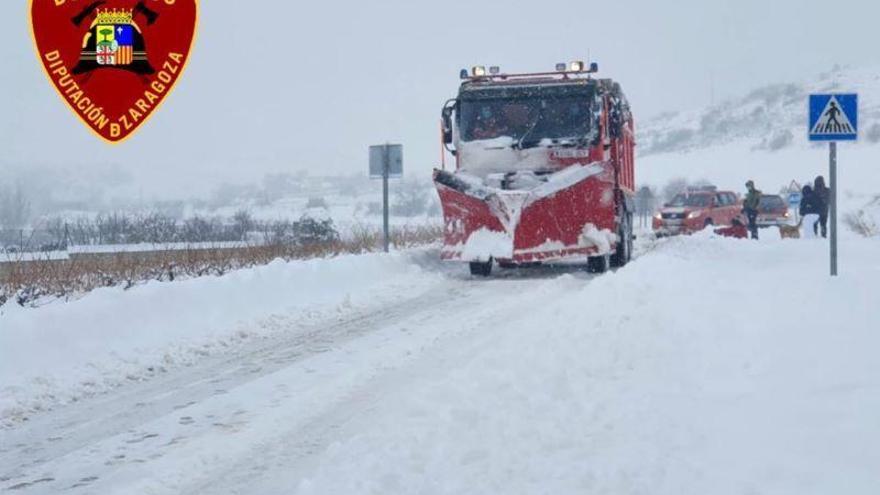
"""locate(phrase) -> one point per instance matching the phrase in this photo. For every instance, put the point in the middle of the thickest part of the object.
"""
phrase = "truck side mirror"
(447, 125)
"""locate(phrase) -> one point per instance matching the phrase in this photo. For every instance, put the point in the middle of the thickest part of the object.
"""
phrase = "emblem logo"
(114, 61)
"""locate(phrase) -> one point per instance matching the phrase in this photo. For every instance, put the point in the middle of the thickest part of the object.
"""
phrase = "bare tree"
(242, 223)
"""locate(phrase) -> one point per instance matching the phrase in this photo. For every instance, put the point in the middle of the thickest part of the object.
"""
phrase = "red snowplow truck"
(544, 170)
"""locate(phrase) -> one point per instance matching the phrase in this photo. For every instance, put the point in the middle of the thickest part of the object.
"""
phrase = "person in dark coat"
(811, 204)
(824, 196)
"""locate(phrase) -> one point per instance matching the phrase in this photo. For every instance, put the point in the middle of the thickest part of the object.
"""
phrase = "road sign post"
(832, 176)
(833, 118)
(386, 162)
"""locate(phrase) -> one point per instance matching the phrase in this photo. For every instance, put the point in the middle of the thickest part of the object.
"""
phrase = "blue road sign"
(794, 199)
(834, 117)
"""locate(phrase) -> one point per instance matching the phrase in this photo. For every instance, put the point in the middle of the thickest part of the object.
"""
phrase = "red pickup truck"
(696, 209)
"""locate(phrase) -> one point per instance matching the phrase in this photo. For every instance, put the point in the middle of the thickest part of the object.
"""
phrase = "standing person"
(750, 207)
(823, 196)
(810, 209)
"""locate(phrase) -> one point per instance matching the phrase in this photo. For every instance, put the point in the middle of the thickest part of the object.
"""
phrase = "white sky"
(279, 86)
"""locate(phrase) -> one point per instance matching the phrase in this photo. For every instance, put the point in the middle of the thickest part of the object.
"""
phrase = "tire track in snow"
(78, 446)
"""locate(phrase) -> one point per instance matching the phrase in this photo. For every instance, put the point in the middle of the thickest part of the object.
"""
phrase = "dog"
(791, 231)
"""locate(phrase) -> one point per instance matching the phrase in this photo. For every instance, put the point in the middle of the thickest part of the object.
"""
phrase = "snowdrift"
(709, 365)
(65, 351)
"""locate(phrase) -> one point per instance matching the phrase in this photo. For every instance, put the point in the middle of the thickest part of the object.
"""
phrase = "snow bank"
(60, 352)
(708, 365)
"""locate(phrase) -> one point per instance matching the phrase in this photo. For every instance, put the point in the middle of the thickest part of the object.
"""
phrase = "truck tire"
(481, 269)
(598, 264)
(623, 254)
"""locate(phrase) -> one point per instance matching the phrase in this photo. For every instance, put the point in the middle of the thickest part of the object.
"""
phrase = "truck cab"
(543, 169)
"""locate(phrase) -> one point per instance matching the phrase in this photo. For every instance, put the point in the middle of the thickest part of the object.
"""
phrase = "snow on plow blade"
(571, 215)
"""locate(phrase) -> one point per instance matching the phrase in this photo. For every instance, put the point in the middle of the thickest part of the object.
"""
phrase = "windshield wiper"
(519, 144)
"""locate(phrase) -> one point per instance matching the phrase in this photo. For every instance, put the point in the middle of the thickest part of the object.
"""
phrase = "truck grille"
(673, 216)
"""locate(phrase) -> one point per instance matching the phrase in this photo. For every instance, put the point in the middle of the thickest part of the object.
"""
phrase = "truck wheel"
(481, 269)
(623, 254)
(598, 264)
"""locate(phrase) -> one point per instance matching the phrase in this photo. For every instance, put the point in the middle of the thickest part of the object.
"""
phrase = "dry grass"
(28, 282)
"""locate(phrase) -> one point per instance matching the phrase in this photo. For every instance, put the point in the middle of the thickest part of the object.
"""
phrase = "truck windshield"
(528, 116)
(693, 200)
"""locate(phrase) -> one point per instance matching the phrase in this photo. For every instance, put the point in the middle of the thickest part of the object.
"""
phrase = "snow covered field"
(706, 366)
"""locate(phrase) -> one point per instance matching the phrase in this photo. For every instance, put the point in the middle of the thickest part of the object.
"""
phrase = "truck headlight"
(694, 214)
(658, 216)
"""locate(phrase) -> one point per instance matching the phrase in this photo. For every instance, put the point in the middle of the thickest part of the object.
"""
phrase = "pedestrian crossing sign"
(834, 117)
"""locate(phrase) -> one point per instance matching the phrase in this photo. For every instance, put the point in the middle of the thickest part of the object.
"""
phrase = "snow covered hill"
(763, 136)
(769, 118)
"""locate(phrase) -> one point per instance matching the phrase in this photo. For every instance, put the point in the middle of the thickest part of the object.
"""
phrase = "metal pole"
(385, 171)
(833, 207)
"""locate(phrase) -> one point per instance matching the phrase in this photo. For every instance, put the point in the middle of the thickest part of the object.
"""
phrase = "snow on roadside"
(62, 352)
(709, 365)
(866, 220)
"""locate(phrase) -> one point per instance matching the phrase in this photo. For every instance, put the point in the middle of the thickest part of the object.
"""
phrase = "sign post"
(833, 118)
(386, 162)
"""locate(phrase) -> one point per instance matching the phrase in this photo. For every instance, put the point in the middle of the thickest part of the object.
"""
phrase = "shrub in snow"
(307, 231)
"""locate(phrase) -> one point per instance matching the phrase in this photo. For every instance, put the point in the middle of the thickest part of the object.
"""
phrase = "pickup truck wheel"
(709, 223)
(481, 269)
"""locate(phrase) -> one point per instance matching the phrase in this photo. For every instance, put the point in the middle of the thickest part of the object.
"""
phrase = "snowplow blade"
(570, 216)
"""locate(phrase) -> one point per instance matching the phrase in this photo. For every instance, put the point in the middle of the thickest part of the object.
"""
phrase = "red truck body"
(544, 171)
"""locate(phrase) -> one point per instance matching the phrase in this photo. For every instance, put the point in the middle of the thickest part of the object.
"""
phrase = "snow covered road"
(707, 366)
(286, 394)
